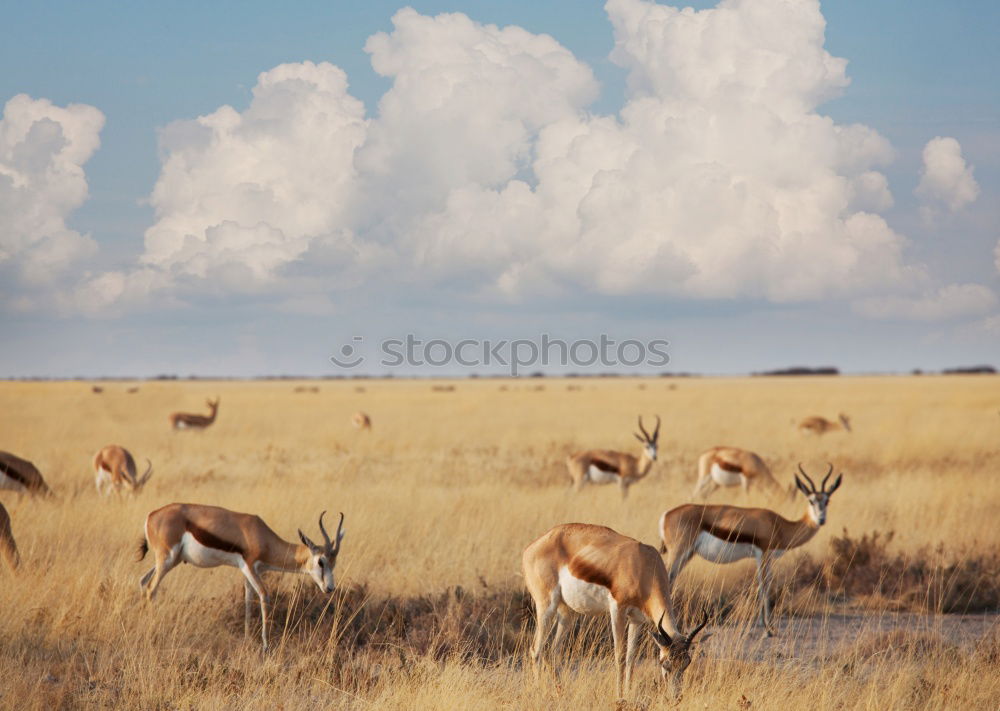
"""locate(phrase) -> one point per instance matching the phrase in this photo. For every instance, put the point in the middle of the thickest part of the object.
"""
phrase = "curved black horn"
(340, 527)
(322, 529)
(808, 478)
(146, 474)
(643, 429)
(656, 432)
(660, 634)
(699, 628)
(822, 487)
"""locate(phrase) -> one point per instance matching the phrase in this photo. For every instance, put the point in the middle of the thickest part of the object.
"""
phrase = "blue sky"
(903, 274)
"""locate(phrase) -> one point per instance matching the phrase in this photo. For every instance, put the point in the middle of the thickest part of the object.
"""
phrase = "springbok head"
(649, 441)
(213, 405)
(675, 652)
(323, 559)
(818, 498)
(141, 481)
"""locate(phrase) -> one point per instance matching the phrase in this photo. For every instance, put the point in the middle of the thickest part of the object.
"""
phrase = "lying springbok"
(581, 569)
(732, 466)
(22, 476)
(602, 466)
(189, 421)
(114, 470)
(8, 548)
(820, 425)
(361, 421)
(725, 534)
(209, 536)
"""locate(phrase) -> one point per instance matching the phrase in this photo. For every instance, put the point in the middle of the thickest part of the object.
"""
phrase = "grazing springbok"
(114, 469)
(581, 569)
(602, 466)
(8, 548)
(820, 425)
(22, 476)
(725, 534)
(361, 420)
(189, 421)
(731, 466)
(209, 536)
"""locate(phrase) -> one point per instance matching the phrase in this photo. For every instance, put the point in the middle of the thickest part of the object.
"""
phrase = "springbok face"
(845, 421)
(675, 653)
(323, 559)
(141, 481)
(818, 499)
(649, 442)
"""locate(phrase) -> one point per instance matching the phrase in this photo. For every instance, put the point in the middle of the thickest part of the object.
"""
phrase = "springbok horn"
(656, 432)
(660, 632)
(803, 472)
(643, 429)
(148, 473)
(322, 530)
(822, 487)
(698, 629)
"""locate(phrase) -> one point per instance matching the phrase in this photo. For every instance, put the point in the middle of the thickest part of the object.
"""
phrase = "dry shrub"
(935, 579)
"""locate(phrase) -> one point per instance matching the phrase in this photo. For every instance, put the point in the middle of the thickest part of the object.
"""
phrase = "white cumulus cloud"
(43, 148)
(945, 176)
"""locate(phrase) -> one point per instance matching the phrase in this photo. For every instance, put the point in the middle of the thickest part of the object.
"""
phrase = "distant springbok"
(8, 548)
(602, 466)
(731, 466)
(361, 421)
(188, 421)
(114, 470)
(820, 425)
(209, 536)
(22, 476)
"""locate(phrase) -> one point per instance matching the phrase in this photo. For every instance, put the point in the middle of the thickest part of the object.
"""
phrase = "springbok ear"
(639, 437)
(305, 541)
(836, 483)
(801, 486)
(340, 536)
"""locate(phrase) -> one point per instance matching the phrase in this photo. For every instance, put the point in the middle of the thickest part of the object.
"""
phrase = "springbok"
(361, 421)
(582, 569)
(114, 469)
(22, 476)
(189, 421)
(209, 536)
(724, 534)
(8, 548)
(602, 466)
(731, 466)
(820, 425)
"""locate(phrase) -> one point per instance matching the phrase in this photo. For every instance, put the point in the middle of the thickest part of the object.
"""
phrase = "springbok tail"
(141, 550)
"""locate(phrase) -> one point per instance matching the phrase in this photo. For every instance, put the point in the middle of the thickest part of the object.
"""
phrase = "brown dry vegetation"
(439, 502)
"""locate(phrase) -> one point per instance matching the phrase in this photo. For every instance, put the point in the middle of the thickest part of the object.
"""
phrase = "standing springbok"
(114, 469)
(209, 536)
(820, 425)
(361, 420)
(189, 421)
(22, 476)
(725, 534)
(582, 569)
(8, 548)
(732, 466)
(602, 466)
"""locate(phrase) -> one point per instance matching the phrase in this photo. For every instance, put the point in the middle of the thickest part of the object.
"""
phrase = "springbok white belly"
(195, 553)
(723, 477)
(583, 597)
(596, 475)
(718, 550)
(103, 478)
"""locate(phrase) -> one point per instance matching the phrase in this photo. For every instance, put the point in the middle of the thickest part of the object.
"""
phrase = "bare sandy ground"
(805, 640)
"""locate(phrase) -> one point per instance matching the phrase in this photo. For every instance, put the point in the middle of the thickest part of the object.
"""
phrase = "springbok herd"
(572, 569)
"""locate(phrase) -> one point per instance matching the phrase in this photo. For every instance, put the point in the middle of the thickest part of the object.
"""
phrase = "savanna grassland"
(893, 605)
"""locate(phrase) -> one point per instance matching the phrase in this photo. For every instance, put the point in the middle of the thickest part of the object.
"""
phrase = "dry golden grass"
(445, 492)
